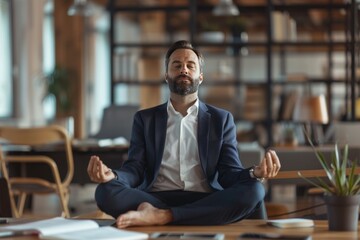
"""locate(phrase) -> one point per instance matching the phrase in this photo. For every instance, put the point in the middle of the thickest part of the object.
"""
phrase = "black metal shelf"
(269, 47)
(242, 8)
(233, 82)
(234, 44)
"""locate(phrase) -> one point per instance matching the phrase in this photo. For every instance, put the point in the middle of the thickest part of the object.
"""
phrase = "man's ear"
(201, 77)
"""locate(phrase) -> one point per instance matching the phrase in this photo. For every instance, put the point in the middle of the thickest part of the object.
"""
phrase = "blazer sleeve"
(133, 169)
(229, 165)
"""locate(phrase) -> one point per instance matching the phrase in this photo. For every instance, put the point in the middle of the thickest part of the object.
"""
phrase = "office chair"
(21, 182)
(117, 122)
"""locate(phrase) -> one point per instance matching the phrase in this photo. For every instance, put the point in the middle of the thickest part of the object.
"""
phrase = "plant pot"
(343, 212)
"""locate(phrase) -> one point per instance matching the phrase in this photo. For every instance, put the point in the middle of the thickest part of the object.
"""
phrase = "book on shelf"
(255, 103)
(284, 26)
(59, 228)
(291, 223)
(288, 105)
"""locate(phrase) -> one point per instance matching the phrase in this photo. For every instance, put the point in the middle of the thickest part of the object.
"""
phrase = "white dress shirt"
(180, 167)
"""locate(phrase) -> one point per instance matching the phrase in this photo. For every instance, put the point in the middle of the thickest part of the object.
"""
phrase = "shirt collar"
(193, 109)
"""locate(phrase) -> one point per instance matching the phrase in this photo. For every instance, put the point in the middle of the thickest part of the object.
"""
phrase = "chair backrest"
(117, 122)
(5, 199)
(37, 136)
(347, 133)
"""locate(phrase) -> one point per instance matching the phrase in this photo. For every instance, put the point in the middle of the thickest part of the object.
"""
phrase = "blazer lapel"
(203, 134)
(160, 133)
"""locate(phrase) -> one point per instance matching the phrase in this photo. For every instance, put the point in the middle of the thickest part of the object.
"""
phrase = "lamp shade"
(83, 8)
(312, 109)
(226, 8)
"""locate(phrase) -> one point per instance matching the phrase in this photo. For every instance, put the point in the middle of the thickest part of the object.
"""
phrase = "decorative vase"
(343, 212)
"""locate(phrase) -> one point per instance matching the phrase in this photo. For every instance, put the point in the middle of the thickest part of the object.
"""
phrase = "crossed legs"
(133, 207)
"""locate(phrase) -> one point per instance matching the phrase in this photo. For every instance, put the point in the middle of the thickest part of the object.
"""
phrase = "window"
(97, 71)
(49, 55)
(5, 61)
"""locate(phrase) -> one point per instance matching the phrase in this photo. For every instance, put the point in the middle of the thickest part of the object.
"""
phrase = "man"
(183, 165)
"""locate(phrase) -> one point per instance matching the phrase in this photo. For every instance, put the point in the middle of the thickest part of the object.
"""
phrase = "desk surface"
(232, 231)
(112, 156)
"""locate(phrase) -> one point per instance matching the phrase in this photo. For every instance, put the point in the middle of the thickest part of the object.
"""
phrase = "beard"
(178, 86)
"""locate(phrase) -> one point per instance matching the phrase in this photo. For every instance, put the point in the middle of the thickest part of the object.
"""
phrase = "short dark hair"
(183, 44)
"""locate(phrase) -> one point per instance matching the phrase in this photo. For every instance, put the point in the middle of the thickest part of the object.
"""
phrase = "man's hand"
(269, 166)
(98, 171)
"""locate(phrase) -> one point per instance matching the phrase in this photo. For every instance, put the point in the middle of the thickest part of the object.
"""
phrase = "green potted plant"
(57, 83)
(341, 189)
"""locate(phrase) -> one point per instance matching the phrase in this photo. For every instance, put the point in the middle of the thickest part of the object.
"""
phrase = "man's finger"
(263, 166)
(269, 164)
(276, 158)
(91, 164)
(276, 162)
(95, 168)
(101, 170)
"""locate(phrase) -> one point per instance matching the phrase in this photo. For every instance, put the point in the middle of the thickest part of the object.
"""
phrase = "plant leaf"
(341, 182)
(353, 180)
(321, 184)
(339, 172)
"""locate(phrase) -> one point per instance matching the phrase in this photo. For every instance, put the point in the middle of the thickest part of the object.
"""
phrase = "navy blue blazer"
(216, 142)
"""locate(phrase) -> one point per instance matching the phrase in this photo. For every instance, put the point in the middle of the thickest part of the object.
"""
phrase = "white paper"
(56, 225)
(71, 229)
(102, 233)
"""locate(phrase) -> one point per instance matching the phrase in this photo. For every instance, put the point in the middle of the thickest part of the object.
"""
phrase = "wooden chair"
(22, 185)
(6, 202)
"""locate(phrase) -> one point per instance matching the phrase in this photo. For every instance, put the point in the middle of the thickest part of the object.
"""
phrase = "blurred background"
(66, 60)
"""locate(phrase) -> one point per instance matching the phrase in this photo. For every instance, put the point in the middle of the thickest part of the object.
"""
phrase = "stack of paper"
(71, 229)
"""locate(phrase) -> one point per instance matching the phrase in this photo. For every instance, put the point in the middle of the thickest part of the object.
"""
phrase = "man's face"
(183, 74)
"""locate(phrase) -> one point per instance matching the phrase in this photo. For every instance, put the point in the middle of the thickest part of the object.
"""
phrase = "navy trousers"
(188, 208)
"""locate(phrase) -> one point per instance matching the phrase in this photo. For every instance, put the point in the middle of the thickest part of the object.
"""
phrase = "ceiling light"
(226, 8)
(83, 8)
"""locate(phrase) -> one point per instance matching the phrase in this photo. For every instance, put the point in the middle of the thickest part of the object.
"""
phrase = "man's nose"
(184, 70)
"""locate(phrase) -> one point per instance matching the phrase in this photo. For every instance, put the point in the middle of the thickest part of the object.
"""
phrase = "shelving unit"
(324, 28)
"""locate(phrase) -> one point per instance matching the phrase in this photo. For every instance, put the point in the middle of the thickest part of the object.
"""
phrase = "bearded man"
(183, 166)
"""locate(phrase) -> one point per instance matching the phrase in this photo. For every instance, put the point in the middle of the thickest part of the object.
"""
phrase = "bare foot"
(145, 215)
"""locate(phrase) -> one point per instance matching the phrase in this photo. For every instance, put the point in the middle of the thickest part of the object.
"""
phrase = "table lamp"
(312, 110)
(226, 8)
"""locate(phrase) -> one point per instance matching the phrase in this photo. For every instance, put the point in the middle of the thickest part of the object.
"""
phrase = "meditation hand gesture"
(98, 171)
(269, 166)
